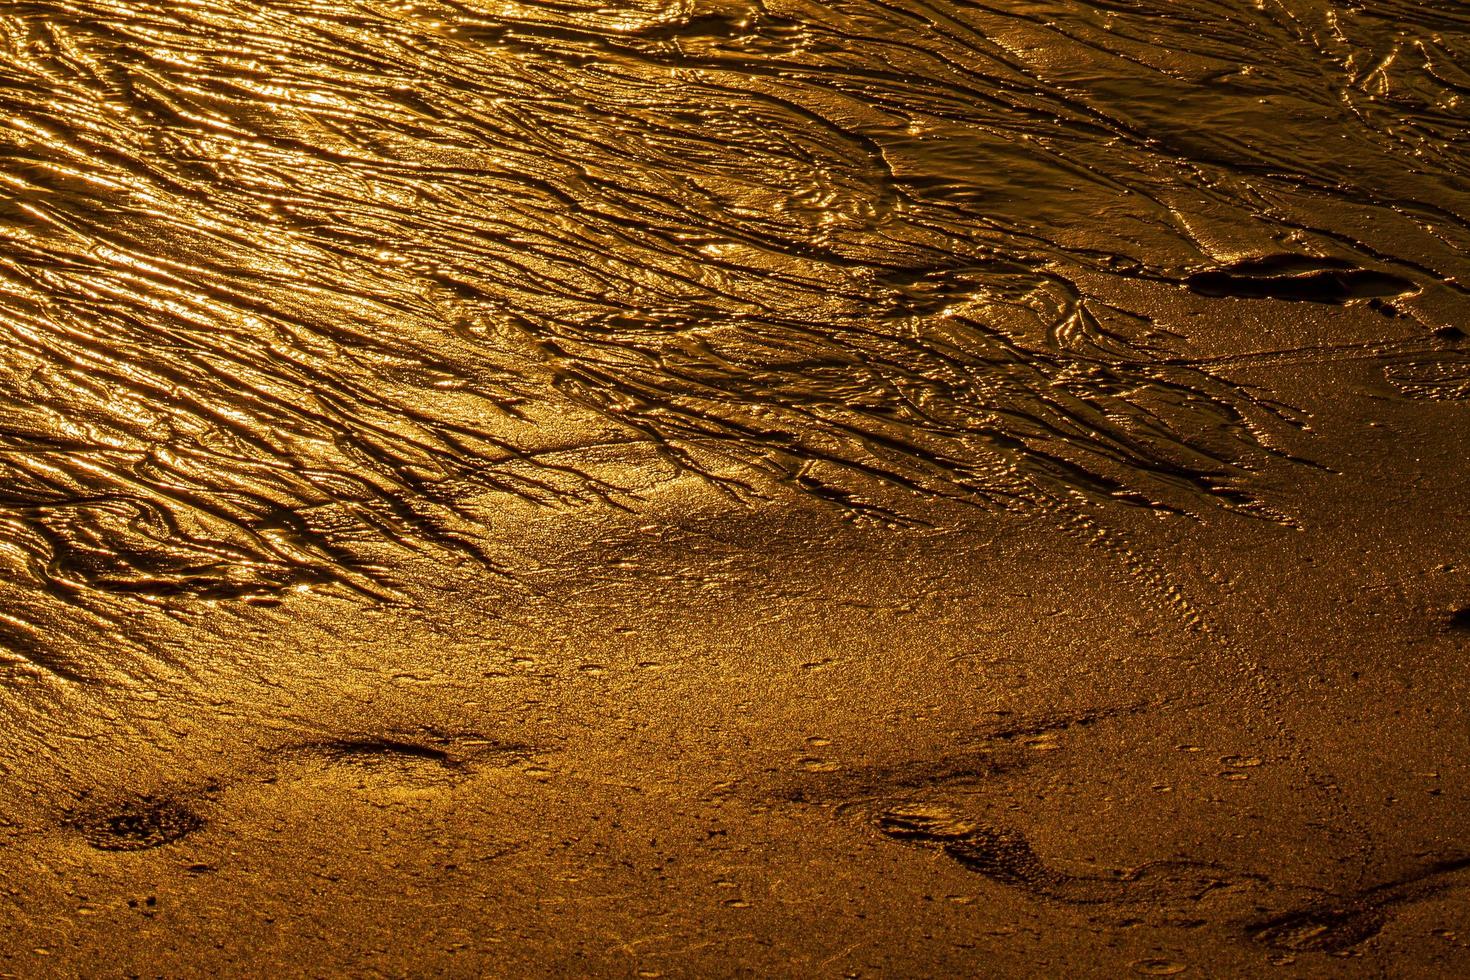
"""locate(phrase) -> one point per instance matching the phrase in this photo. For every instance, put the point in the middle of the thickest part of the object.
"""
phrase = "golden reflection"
(783, 488)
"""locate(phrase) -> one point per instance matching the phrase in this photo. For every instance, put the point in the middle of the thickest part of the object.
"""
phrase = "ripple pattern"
(286, 286)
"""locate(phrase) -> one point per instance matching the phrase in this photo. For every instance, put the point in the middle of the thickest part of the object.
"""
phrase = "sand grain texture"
(725, 489)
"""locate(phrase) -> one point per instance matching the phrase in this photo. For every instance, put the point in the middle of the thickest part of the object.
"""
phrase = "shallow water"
(280, 277)
(307, 298)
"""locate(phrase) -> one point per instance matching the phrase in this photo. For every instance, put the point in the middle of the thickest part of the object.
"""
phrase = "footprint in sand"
(138, 824)
(1335, 923)
(413, 764)
(1007, 858)
(1314, 921)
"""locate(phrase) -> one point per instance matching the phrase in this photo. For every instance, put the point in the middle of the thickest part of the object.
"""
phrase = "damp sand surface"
(713, 489)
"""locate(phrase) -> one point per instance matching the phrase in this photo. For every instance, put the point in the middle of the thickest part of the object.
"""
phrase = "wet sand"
(861, 490)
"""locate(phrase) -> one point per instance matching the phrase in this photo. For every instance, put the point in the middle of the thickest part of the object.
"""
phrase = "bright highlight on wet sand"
(785, 489)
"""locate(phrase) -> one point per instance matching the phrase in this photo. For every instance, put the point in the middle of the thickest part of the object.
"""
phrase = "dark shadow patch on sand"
(459, 751)
(1323, 929)
(1030, 726)
(417, 760)
(1006, 857)
(939, 806)
(1323, 923)
(990, 751)
(140, 824)
(1338, 923)
(1298, 279)
(845, 786)
(369, 749)
(1459, 621)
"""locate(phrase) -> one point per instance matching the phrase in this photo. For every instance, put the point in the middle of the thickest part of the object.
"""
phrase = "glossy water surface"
(291, 290)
